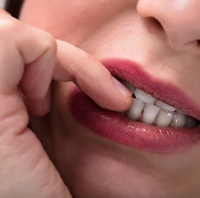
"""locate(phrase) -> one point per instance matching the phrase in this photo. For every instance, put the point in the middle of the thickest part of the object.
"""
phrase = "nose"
(178, 18)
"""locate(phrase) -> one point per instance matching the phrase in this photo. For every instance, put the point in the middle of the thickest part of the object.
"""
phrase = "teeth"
(164, 118)
(179, 120)
(164, 106)
(149, 114)
(136, 109)
(144, 97)
(149, 110)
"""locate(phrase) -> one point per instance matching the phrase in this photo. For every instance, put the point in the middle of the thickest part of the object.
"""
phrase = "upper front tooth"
(164, 106)
(144, 97)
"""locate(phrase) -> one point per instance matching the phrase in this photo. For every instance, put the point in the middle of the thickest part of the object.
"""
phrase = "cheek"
(57, 16)
(71, 21)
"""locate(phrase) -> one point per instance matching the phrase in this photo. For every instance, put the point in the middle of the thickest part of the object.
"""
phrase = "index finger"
(74, 64)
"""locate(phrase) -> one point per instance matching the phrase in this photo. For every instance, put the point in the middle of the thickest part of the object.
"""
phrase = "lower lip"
(117, 128)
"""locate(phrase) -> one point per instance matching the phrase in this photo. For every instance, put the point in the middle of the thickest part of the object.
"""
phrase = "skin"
(152, 33)
(39, 58)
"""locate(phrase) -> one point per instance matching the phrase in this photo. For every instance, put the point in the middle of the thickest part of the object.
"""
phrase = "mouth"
(162, 118)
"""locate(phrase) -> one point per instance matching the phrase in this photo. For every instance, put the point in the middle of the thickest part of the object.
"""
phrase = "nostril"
(156, 23)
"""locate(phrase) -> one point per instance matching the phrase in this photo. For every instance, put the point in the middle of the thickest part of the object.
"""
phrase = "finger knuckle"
(7, 27)
(49, 42)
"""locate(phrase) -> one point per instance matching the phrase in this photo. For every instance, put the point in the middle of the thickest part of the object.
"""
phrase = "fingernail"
(122, 89)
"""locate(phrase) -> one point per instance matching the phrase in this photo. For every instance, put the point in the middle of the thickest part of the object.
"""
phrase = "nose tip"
(179, 22)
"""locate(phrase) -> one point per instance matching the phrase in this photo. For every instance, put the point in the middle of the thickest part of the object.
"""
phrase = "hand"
(29, 59)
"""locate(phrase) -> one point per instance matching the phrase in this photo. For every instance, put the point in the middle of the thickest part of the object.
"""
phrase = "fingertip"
(122, 104)
(121, 88)
(122, 99)
(116, 97)
(110, 93)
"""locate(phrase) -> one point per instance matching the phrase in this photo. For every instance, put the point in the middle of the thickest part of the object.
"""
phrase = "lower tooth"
(149, 113)
(136, 109)
(164, 118)
(179, 120)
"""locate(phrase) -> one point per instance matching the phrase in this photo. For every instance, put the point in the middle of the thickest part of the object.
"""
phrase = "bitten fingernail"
(122, 89)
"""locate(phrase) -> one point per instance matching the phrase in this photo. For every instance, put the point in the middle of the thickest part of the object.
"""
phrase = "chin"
(93, 167)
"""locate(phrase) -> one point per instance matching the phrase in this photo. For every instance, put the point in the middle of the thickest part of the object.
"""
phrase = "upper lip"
(160, 89)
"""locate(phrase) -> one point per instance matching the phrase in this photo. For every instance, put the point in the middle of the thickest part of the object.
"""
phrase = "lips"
(118, 128)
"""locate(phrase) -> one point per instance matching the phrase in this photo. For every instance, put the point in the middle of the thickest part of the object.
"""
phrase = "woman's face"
(153, 45)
